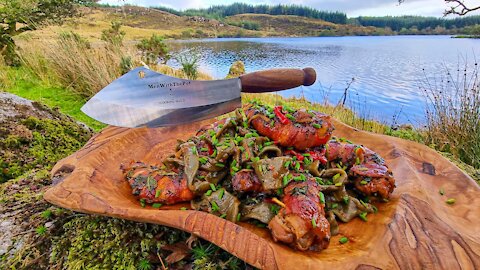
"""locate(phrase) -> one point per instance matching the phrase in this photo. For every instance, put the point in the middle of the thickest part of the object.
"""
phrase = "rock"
(12, 106)
(237, 69)
(34, 136)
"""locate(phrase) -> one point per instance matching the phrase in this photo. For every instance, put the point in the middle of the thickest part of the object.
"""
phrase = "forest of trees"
(418, 22)
(222, 11)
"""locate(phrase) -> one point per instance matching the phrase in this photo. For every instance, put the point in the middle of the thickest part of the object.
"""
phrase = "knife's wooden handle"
(277, 79)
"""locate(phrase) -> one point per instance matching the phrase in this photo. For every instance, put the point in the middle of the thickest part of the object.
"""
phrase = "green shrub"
(154, 50)
(114, 35)
(189, 65)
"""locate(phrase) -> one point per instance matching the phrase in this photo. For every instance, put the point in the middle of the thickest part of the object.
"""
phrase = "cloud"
(352, 8)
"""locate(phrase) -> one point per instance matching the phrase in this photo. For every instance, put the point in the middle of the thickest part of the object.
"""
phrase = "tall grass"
(4, 76)
(453, 113)
(68, 62)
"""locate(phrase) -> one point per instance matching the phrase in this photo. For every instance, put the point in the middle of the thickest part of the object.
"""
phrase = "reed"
(453, 112)
(5, 81)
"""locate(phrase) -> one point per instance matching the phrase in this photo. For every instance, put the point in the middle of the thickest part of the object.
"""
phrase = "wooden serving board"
(415, 230)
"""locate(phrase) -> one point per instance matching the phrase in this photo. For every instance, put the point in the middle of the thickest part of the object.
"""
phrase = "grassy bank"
(27, 85)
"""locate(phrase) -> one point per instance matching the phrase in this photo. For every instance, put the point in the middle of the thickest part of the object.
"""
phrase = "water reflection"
(387, 70)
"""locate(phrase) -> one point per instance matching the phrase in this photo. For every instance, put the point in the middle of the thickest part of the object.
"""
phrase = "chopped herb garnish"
(297, 178)
(322, 197)
(319, 180)
(215, 207)
(346, 199)
(157, 193)
(315, 125)
(314, 224)
(287, 164)
(343, 240)
(214, 139)
(156, 205)
(274, 209)
(285, 180)
(335, 205)
(239, 216)
(363, 182)
(336, 176)
(451, 201)
(203, 160)
(209, 192)
(212, 186)
(357, 161)
(249, 135)
(194, 150)
(339, 184)
(203, 149)
(220, 193)
(441, 191)
(183, 208)
(268, 143)
(142, 202)
(297, 166)
(289, 116)
(221, 165)
(363, 216)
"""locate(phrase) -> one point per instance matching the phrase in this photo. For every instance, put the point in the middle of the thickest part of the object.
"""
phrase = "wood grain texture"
(415, 230)
(277, 79)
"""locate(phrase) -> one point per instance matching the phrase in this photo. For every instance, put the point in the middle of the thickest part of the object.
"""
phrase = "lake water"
(387, 71)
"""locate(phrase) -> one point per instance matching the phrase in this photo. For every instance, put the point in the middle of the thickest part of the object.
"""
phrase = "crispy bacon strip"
(153, 185)
(309, 131)
(302, 222)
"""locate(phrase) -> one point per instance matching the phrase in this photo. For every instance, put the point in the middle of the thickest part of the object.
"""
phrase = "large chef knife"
(143, 97)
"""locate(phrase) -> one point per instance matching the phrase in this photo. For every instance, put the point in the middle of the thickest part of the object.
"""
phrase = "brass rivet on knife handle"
(277, 79)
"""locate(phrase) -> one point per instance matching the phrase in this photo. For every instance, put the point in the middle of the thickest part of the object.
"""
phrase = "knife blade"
(143, 97)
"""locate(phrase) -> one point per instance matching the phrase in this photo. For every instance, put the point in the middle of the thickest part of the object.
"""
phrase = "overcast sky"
(352, 8)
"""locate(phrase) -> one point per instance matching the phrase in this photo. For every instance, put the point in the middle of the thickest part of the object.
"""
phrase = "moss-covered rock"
(38, 235)
(237, 69)
(34, 136)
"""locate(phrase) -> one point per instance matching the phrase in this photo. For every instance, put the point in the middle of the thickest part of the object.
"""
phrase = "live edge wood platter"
(416, 229)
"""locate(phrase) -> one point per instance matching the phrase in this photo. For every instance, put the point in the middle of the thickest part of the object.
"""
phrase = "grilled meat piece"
(370, 174)
(373, 179)
(154, 185)
(246, 181)
(302, 222)
(297, 129)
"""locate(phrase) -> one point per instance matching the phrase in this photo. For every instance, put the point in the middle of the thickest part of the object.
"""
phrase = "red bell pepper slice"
(278, 112)
(319, 156)
(300, 157)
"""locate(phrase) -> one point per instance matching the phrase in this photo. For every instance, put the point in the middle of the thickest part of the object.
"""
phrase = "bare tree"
(456, 7)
